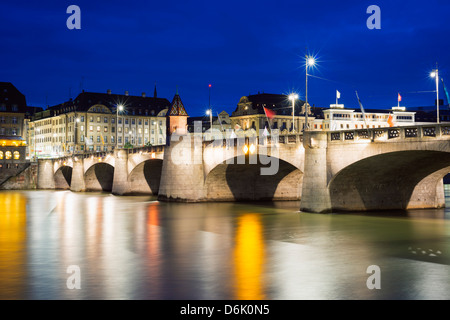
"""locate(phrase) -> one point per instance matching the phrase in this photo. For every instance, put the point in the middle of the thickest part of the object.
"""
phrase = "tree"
(128, 145)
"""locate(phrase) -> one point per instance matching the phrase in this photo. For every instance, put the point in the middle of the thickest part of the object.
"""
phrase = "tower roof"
(177, 108)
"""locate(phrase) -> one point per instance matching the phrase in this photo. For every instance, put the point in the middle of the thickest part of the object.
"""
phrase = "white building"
(339, 118)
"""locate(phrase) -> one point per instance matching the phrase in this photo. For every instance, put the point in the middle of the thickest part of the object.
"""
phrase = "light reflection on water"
(139, 248)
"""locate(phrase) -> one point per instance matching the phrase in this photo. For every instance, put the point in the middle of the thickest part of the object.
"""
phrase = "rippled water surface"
(139, 248)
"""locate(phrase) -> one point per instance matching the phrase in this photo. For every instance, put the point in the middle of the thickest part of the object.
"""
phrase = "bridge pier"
(121, 185)
(315, 194)
(182, 176)
(46, 177)
(77, 183)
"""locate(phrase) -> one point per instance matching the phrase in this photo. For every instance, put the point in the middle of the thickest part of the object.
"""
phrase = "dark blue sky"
(241, 47)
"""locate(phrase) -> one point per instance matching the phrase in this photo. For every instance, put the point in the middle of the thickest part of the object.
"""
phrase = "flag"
(269, 113)
(399, 97)
(103, 142)
(390, 121)
(338, 95)
(265, 133)
(237, 127)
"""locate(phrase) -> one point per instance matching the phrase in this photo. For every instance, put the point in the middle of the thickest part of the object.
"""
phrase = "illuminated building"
(93, 122)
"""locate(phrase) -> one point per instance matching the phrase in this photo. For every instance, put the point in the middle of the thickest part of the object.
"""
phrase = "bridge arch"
(145, 177)
(391, 181)
(99, 177)
(63, 177)
(233, 181)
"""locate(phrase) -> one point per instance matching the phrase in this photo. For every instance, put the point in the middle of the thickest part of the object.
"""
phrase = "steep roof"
(280, 103)
(177, 107)
(11, 99)
(132, 104)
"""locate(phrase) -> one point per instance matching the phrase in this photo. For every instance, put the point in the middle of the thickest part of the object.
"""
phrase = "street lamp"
(310, 62)
(293, 97)
(435, 74)
(209, 112)
(119, 108)
(35, 146)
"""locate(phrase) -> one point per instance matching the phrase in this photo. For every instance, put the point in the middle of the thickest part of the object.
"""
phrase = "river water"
(139, 248)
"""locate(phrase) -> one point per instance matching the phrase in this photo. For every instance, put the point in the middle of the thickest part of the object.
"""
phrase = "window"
(140, 122)
(91, 119)
(105, 129)
(126, 121)
(98, 138)
(105, 139)
(120, 120)
(139, 140)
(82, 148)
(98, 149)
(146, 122)
(82, 118)
(82, 138)
(133, 121)
(120, 139)
(145, 130)
(113, 129)
(126, 139)
(112, 139)
(98, 128)
(105, 120)
(119, 129)
(14, 120)
(91, 139)
(16, 155)
(113, 120)
(98, 119)
(91, 128)
(105, 148)
(1, 155)
(8, 155)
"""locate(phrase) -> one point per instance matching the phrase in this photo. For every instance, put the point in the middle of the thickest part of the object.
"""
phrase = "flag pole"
(362, 109)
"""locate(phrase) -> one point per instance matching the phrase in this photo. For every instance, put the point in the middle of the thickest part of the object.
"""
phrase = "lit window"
(1, 155)
(16, 155)
(8, 155)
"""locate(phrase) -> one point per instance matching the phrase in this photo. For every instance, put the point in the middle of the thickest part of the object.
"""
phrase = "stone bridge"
(190, 170)
(124, 171)
(376, 169)
(355, 170)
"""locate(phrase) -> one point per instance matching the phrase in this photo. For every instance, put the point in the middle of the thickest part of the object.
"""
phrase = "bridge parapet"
(391, 134)
(257, 140)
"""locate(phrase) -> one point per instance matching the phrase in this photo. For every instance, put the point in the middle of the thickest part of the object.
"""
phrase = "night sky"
(240, 47)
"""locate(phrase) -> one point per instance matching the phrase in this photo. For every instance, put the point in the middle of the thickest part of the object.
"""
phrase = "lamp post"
(209, 112)
(35, 145)
(293, 97)
(76, 135)
(310, 61)
(118, 108)
(435, 74)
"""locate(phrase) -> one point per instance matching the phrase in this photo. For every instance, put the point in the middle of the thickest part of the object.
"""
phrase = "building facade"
(339, 118)
(94, 122)
(250, 114)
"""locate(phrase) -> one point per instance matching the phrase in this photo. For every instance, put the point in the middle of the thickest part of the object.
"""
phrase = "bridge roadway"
(353, 170)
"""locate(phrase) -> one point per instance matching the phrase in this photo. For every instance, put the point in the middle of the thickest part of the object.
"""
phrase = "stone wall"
(24, 179)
